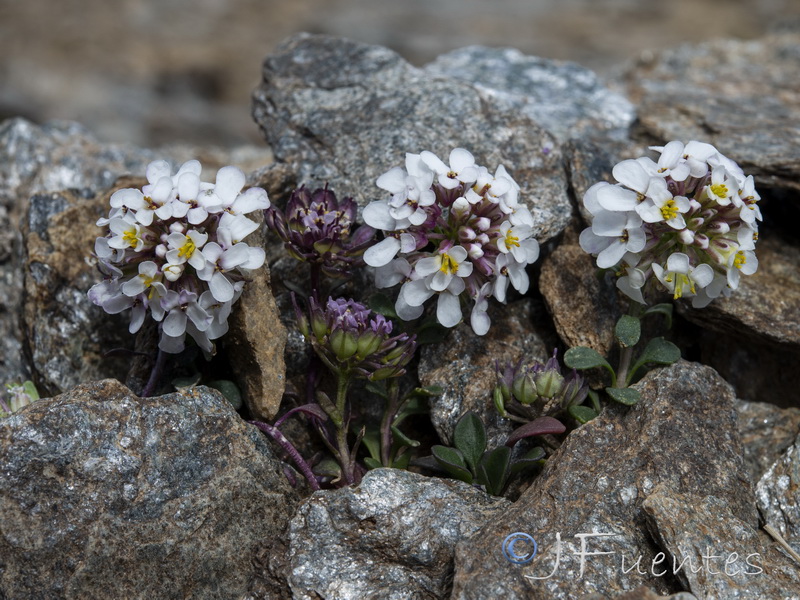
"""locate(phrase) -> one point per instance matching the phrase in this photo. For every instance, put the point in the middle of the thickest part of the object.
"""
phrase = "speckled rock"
(464, 367)
(584, 307)
(766, 432)
(344, 112)
(778, 496)
(564, 98)
(740, 96)
(722, 555)
(596, 483)
(391, 537)
(105, 494)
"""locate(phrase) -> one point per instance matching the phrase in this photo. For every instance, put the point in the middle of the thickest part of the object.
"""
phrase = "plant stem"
(155, 374)
(634, 309)
(315, 272)
(386, 423)
(284, 443)
(342, 421)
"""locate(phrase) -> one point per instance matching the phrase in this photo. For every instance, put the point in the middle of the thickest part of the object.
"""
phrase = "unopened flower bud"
(173, 272)
(686, 236)
(483, 223)
(549, 383)
(161, 251)
(177, 227)
(524, 389)
(343, 344)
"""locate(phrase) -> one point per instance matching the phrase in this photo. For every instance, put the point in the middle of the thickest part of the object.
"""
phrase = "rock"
(722, 555)
(766, 432)
(738, 95)
(766, 307)
(256, 342)
(778, 497)
(464, 367)
(108, 495)
(584, 307)
(564, 98)
(597, 482)
(344, 113)
(393, 536)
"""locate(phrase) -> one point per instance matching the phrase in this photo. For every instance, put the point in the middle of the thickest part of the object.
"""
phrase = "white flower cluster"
(451, 230)
(690, 220)
(175, 247)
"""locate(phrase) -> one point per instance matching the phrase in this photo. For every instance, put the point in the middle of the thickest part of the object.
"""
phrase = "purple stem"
(5, 407)
(155, 374)
(284, 443)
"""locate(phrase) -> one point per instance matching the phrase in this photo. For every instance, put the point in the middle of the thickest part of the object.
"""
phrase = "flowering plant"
(688, 222)
(454, 231)
(175, 249)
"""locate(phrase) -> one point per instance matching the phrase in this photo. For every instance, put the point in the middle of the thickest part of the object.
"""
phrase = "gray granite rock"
(714, 553)
(740, 96)
(564, 98)
(597, 482)
(766, 432)
(105, 494)
(464, 367)
(392, 537)
(344, 112)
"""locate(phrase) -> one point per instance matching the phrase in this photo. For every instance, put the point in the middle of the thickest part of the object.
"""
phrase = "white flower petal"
(448, 310)
(220, 287)
(383, 252)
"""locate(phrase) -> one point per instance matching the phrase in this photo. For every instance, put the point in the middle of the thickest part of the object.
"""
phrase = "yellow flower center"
(669, 210)
(449, 265)
(511, 240)
(131, 238)
(720, 190)
(739, 260)
(187, 249)
(150, 204)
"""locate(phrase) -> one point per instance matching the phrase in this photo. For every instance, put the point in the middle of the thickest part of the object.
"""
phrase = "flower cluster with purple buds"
(350, 339)
(450, 230)
(688, 221)
(317, 228)
(539, 389)
(175, 248)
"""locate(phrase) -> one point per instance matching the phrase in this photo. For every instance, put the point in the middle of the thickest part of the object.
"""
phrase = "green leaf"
(660, 351)
(379, 389)
(626, 396)
(534, 457)
(401, 439)
(470, 438)
(661, 309)
(414, 405)
(582, 358)
(29, 388)
(230, 390)
(582, 414)
(429, 391)
(493, 470)
(383, 305)
(594, 397)
(328, 468)
(628, 331)
(452, 461)
(401, 462)
(186, 382)
(372, 463)
(372, 441)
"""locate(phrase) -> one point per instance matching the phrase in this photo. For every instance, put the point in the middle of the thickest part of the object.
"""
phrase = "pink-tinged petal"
(428, 265)
(416, 292)
(460, 159)
(617, 199)
(611, 255)
(130, 197)
(175, 323)
(251, 200)
(678, 262)
(609, 224)
(448, 310)
(376, 214)
(383, 252)
(631, 174)
(592, 243)
(230, 181)
(158, 169)
(392, 181)
(188, 187)
(171, 345)
(220, 287)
